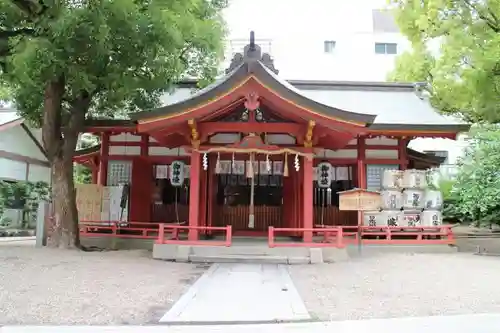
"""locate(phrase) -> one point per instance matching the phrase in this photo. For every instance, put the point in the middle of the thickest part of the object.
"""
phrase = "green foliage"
(446, 187)
(82, 174)
(463, 76)
(477, 189)
(122, 54)
(23, 195)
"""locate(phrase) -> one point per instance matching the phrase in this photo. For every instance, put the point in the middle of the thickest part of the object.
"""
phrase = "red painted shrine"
(244, 151)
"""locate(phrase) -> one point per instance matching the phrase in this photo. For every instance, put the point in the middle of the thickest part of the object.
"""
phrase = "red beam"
(133, 143)
(251, 127)
(374, 147)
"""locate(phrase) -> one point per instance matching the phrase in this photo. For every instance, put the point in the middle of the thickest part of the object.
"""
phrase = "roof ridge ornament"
(251, 54)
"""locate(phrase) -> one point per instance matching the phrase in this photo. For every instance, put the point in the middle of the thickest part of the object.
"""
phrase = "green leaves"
(478, 185)
(464, 73)
(123, 54)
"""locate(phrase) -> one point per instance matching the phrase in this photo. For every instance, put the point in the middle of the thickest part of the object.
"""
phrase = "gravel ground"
(400, 285)
(47, 286)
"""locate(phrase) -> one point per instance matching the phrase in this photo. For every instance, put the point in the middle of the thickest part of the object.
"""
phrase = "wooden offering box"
(359, 199)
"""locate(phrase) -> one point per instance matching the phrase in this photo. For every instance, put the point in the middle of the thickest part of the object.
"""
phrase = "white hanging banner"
(255, 166)
(225, 167)
(161, 171)
(187, 171)
(315, 173)
(263, 168)
(278, 168)
(239, 168)
(342, 173)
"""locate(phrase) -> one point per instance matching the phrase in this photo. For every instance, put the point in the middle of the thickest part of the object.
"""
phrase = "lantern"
(324, 175)
(177, 173)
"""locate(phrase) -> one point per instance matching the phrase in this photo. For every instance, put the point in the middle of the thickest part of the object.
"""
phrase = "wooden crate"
(359, 199)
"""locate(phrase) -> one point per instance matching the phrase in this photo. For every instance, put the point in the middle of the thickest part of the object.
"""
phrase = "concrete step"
(249, 251)
(240, 258)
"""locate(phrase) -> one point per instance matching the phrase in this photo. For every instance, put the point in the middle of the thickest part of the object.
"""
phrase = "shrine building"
(245, 150)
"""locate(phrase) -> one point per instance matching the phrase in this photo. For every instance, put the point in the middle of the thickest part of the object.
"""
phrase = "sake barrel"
(414, 179)
(373, 218)
(433, 178)
(413, 199)
(391, 179)
(393, 218)
(392, 199)
(431, 218)
(433, 199)
(411, 218)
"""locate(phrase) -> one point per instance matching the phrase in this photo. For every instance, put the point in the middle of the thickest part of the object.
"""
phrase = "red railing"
(331, 237)
(119, 229)
(400, 235)
(173, 233)
(339, 236)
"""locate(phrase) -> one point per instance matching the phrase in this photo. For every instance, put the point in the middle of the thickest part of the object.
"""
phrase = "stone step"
(241, 258)
(249, 251)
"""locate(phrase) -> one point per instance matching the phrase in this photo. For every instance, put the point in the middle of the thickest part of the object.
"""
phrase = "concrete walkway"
(240, 293)
(479, 323)
(18, 241)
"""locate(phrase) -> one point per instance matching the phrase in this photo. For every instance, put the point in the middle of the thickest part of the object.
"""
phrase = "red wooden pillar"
(103, 161)
(361, 171)
(402, 153)
(307, 199)
(361, 165)
(287, 202)
(194, 195)
(212, 192)
(204, 175)
(95, 170)
(141, 190)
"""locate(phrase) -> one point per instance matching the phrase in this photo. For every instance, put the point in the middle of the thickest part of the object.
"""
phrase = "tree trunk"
(60, 138)
(63, 231)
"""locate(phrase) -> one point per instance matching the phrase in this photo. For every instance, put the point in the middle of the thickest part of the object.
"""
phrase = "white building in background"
(22, 157)
(336, 40)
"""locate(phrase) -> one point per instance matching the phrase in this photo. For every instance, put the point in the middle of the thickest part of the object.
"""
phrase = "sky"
(293, 32)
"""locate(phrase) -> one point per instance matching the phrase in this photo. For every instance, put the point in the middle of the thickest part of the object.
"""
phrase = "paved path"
(480, 323)
(18, 241)
(240, 293)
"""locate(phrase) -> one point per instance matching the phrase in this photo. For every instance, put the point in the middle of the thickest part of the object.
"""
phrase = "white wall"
(455, 148)
(15, 140)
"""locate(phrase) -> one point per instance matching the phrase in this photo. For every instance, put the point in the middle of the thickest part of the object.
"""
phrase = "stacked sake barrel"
(410, 198)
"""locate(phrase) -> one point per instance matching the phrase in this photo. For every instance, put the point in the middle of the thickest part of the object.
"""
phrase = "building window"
(329, 46)
(386, 48)
(439, 153)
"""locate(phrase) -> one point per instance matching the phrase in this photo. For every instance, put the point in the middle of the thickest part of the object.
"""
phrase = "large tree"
(456, 50)
(67, 60)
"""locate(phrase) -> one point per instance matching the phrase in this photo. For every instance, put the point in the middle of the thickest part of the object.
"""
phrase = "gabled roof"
(9, 118)
(258, 69)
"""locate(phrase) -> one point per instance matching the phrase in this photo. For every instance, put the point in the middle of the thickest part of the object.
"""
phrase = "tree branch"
(492, 24)
(5, 34)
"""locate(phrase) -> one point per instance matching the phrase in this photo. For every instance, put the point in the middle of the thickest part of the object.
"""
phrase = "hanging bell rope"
(217, 164)
(268, 164)
(285, 168)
